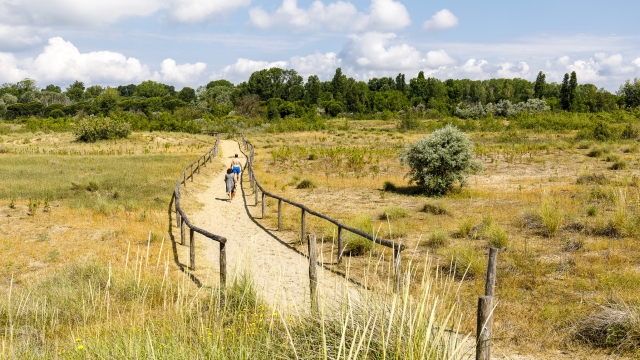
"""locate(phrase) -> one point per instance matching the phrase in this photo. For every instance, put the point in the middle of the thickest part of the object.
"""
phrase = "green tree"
(401, 84)
(187, 94)
(312, 90)
(75, 91)
(221, 82)
(93, 91)
(127, 90)
(539, 86)
(151, 89)
(438, 161)
(565, 98)
(53, 88)
(630, 93)
(108, 100)
(338, 83)
(573, 91)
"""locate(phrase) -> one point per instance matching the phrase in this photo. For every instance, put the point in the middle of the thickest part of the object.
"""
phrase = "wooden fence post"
(192, 250)
(191, 172)
(490, 285)
(397, 257)
(198, 165)
(184, 178)
(313, 275)
(255, 191)
(483, 330)
(303, 225)
(182, 231)
(263, 200)
(223, 264)
(340, 245)
(279, 214)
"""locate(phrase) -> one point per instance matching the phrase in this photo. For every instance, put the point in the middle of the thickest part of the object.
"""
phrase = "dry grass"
(577, 233)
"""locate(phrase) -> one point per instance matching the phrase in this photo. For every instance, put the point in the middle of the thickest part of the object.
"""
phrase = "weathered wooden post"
(255, 191)
(313, 275)
(483, 329)
(397, 257)
(184, 178)
(340, 245)
(490, 285)
(303, 226)
(223, 263)
(198, 165)
(192, 250)
(263, 205)
(182, 231)
(191, 172)
(279, 214)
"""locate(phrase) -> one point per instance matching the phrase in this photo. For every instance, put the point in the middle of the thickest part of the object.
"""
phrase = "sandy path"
(280, 275)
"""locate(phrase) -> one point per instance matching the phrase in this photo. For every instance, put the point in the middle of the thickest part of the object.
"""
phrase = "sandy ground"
(280, 275)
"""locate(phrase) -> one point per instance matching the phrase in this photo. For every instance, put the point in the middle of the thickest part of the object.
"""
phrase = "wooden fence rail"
(183, 220)
(255, 184)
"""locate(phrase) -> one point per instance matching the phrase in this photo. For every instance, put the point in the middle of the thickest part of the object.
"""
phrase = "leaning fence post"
(263, 198)
(184, 178)
(192, 250)
(397, 257)
(313, 275)
(255, 191)
(198, 165)
(490, 285)
(339, 244)
(279, 214)
(223, 263)
(483, 330)
(182, 231)
(191, 172)
(303, 226)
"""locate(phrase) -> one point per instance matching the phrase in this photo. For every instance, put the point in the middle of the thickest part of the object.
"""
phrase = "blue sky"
(190, 42)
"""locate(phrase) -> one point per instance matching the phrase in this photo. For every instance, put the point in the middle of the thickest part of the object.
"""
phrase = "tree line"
(277, 93)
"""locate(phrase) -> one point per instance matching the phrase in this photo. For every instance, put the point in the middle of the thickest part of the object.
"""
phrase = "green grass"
(82, 180)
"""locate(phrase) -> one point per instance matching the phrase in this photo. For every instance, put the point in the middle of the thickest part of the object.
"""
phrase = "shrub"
(435, 209)
(596, 152)
(592, 211)
(394, 213)
(629, 132)
(498, 238)
(599, 179)
(91, 130)
(464, 261)
(618, 165)
(437, 239)
(388, 186)
(551, 219)
(603, 132)
(616, 326)
(307, 184)
(355, 245)
(408, 123)
(440, 160)
(466, 227)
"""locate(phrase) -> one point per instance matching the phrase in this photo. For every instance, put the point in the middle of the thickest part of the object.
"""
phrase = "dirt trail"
(280, 275)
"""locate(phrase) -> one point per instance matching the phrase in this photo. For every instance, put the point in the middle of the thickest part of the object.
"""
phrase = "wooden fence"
(182, 220)
(255, 184)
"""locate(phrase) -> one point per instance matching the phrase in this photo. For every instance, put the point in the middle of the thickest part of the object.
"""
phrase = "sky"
(191, 42)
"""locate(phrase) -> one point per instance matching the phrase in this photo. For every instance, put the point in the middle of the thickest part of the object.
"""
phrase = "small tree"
(440, 160)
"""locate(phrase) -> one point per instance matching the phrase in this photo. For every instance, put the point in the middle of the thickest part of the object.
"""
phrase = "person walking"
(230, 184)
(236, 166)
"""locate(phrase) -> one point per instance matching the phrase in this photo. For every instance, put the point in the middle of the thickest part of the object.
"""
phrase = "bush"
(91, 130)
(464, 262)
(618, 165)
(498, 238)
(394, 213)
(437, 239)
(603, 132)
(435, 209)
(307, 184)
(388, 186)
(355, 245)
(440, 160)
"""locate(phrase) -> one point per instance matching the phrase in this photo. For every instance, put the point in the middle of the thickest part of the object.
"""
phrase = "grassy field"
(89, 269)
(565, 212)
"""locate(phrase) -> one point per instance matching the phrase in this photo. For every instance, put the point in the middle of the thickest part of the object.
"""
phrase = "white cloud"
(563, 60)
(316, 64)
(636, 62)
(61, 62)
(384, 15)
(443, 19)
(197, 11)
(182, 74)
(101, 12)
(474, 67)
(438, 58)
(10, 70)
(18, 37)
(243, 68)
(372, 51)
(510, 70)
